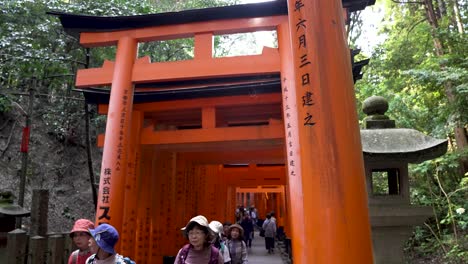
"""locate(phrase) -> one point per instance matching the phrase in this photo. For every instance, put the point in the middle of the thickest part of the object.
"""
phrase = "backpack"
(253, 215)
(185, 250)
(75, 256)
(126, 260)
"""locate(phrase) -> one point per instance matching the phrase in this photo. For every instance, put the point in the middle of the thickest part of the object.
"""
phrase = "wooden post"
(25, 148)
(114, 158)
(326, 151)
(166, 171)
(180, 202)
(294, 181)
(69, 246)
(144, 213)
(17, 246)
(37, 250)
(39, 212)
(131, 188)
(56, 246)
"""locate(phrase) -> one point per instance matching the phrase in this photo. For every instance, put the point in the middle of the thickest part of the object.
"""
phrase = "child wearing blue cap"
(102, 243)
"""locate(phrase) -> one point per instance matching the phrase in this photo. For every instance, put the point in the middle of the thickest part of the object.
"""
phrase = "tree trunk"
(456, 13)
(88, 142)
(459, 130)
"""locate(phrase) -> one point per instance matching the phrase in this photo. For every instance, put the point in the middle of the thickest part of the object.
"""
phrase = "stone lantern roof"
(382, 141)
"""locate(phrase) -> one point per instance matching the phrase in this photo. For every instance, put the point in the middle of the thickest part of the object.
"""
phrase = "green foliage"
(5, 104)
(427, 91)
(437, 183)
(33, 44)
(66, 213)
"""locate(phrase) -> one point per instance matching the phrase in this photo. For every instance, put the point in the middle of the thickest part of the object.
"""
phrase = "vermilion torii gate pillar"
(114, 158)
(327, 203)
(323, 145)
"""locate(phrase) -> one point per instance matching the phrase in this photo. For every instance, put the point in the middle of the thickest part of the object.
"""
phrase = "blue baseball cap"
(106, 236)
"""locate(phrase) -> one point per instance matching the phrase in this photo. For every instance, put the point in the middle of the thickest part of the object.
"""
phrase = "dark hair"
(268, 216)
(208, 235)
(192, 225)
(227, 223)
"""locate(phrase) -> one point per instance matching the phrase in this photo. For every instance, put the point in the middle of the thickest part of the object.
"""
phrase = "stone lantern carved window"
(386, 181)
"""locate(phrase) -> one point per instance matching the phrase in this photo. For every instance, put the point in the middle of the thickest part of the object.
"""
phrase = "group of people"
(95, 245)
(247, 218)
(212, 243)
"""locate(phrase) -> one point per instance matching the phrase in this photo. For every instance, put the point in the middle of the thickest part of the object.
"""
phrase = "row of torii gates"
(173, 126)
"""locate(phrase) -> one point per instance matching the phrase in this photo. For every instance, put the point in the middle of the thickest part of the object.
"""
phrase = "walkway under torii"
(171, 126)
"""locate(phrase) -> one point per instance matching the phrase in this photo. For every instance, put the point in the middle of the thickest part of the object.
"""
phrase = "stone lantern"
(387, 152)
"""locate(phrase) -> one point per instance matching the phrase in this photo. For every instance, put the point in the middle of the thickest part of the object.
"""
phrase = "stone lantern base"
(392, 225)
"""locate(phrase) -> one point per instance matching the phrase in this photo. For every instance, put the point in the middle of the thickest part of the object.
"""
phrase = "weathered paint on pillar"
(335, 202)
(294, 179)
(233, 204)
(144, 207)
(156, 234)
(285, 212)
(114, 158)
(127, 236)
(181, 188)
(165, 173)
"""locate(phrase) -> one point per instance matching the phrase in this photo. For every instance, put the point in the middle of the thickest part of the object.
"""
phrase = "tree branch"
(38, 58)
(437, 238)
(46, 95)
(449, 204)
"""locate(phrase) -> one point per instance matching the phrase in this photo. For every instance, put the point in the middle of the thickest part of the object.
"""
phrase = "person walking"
(219, 242)
(248, 227)
(270, 232)
(102, 243)
(236, 245)
(199, 248)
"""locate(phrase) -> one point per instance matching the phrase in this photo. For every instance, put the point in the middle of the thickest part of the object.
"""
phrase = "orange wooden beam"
(226, 101)
(208, 117)
(253, 176)
(222, 134)
(203, 46)
(266, 156)
(96, 39)
(144, 71)
(261, 189)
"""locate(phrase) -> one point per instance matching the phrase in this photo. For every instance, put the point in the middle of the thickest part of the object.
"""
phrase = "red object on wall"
(25, 140)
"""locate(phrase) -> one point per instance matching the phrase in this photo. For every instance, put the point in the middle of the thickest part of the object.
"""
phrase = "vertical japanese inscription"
(104, 208)
(304, 65)
(290, 124)
(120, 146)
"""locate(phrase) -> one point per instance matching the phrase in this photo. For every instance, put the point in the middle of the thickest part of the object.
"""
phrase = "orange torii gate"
(258, 179)
(272, 199)
(149, 185)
